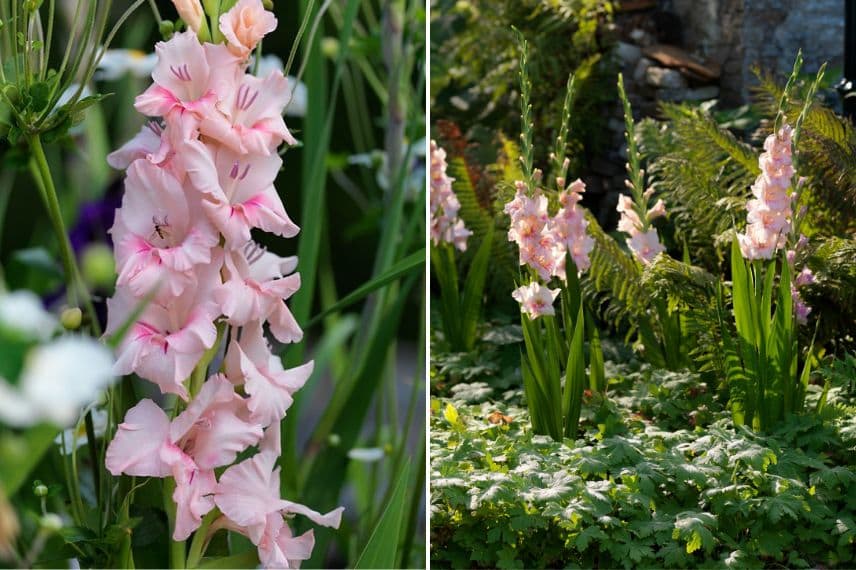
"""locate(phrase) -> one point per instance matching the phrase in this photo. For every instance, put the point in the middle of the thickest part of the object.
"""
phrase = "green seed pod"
(40, 490)
(333, 440)
(268, 4)
(71, 318)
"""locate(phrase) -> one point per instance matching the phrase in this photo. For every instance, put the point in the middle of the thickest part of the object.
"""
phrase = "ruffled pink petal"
(182, 67)
(155, 101)
(269, 386)
(248, 492)
(215, 425)
(265, 211)
(283, 325)
(279, 548)
(135, 449)
(144, 143)
(193, 496)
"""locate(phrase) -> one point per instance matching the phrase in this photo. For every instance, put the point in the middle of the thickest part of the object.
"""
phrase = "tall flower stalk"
(765, 381)
(553, 251)
(200, 178)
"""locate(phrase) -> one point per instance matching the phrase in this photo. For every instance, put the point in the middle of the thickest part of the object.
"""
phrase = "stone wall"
(739, 34)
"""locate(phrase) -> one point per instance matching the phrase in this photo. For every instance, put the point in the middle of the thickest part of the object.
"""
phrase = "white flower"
(75, 437)
(366, 454)
(22, 311)
(58, 379)
(116, 63)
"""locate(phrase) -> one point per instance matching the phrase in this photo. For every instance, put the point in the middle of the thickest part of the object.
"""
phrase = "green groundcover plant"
(659, 477)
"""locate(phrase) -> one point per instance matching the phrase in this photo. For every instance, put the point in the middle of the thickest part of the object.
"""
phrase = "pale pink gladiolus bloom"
(209, 433)
(189, 76)
(135, 449)
(245, 24)
(269, 386)
(168, 340)
(801, 309)
(160, 233)
(249, 491)
(645, 245)
(657, 211)
(535, 299)
(191, 12)
(239, 191)
(257, 294)
(250, 118)
(216, 425)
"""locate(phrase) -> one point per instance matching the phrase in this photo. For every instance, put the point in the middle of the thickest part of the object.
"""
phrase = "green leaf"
(20, 453)
(575, 378)
(472, 299)
(403, 267)
(381, 551)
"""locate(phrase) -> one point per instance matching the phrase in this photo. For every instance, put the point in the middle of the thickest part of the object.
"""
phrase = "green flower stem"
(177, 552)
(201, 539)
(77, 291)
(212, 9)
(200, 373)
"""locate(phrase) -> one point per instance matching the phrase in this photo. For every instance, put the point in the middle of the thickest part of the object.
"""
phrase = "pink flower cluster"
(200, 177)
(544, 241)
(803, 278)
(445, 224)
(645, 244)
(801, 309)
(770, 211)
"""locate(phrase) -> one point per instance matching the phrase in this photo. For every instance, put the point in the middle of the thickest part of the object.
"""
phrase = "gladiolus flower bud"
(191, 12)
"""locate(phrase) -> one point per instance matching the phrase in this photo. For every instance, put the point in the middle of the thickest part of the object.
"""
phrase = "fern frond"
(703, 173)
(612, 284)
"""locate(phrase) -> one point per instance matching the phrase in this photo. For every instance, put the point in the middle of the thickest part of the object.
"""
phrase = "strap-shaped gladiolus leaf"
(741, 399)
(381, 551)
(597, 372)
(543, 402)
(781, 343)
(403, 267)
(472, 298)
(446, 273)
(536, 400)
(575, 378)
